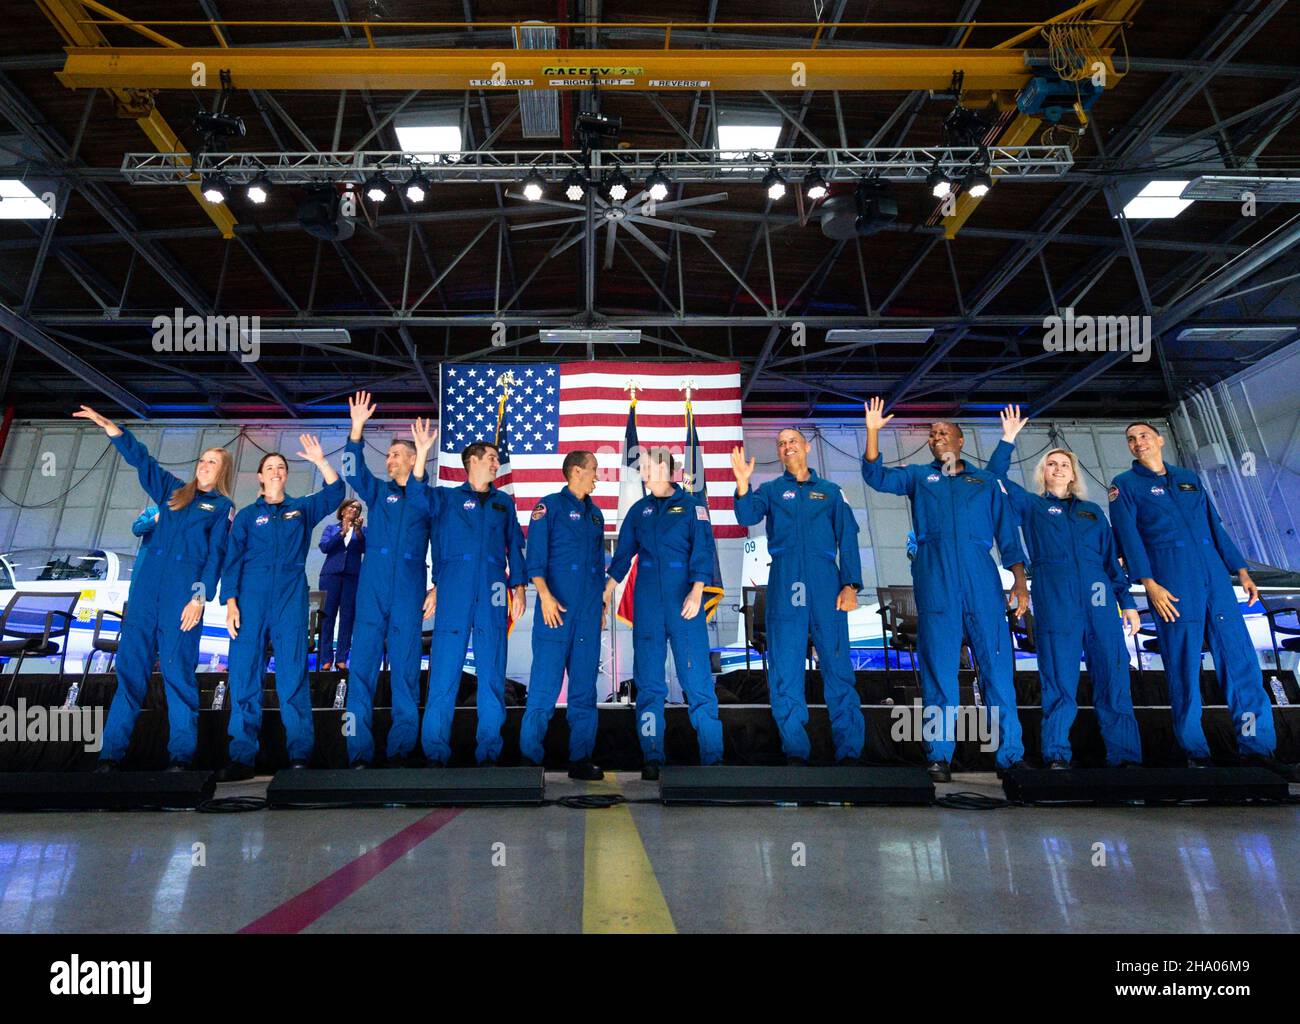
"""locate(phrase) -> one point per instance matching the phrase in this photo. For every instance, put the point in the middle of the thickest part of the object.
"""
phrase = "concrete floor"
(646, 867)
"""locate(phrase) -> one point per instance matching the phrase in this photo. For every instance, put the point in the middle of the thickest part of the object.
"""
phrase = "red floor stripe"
(310, 905)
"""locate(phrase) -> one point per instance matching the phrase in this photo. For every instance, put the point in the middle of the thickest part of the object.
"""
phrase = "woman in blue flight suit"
(670, 531)
(343, 544)
(165, 613)
(1077, 584)
(264, 584)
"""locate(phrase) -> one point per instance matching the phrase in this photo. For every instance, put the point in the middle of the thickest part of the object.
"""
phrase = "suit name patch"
(294, 514)
(677, 508)
(1188, 487)
(816, 496)
(207, 506)
(1084, 514)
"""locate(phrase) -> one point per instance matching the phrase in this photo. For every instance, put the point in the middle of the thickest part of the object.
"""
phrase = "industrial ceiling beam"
(68, 17)
(26, 331)
(617, 70)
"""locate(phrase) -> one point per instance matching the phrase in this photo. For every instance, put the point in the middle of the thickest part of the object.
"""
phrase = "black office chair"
(1024, 635)
(898, 620)
(36, 624)
(754, 610)
(101, 644)
(1277, 608)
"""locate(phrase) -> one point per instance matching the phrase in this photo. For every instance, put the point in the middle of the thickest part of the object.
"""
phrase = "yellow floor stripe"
(620, 892)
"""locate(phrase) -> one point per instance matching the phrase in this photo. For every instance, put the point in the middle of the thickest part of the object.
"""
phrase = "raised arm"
(878, 476)
(156, 481)
(751, 505)
(355, 470)
(324, 501)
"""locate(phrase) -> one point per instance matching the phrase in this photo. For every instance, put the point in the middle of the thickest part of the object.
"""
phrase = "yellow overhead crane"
(69, 17)
(994, 74)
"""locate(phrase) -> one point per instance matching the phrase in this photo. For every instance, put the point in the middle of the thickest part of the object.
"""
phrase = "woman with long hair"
(1080, 599)
(165, 610)
(264, 585)
(343, 544)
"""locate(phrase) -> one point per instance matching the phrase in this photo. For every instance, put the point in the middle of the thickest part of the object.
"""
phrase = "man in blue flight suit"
(566, 562)
(1174, 544)
(478, 559)
(959, 512)
(264, 585)
(808, 525)
(389, 607)
(670, 532)
(1078, 585)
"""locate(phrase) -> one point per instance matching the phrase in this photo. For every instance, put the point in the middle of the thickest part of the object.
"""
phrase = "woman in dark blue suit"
(343, 543)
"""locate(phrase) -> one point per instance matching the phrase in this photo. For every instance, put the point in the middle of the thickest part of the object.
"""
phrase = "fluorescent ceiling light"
(591, 336)
(1227, 334)
(18, 202)
(737, 141)
(425, 136)
(1229, 188)
(1159, 199)
(878, 335)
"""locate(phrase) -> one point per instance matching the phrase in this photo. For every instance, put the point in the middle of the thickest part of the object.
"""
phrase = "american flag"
(556, 408)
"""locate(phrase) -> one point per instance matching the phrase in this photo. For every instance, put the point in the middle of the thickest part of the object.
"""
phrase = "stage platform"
(749, 731)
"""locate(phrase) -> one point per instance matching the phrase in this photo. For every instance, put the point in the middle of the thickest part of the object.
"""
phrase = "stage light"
(574, 186)
(617, 184)
(814, 185)
(978, 182)
(258, 189)
(534, 186)
(377, 188)
(417, 188)
(774, 184)
(938, 183)
(657, 185)
(214, 188)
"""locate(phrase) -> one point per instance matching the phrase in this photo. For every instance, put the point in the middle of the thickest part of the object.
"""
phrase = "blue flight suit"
(1168, 530)
(808, 524)
(144, 525)
(674, 541)
(478, 555)
(566, 547)
(958, 517)
(338, 579)
(265, 572)
(185, 552)
(1077, 584)
(390, 605)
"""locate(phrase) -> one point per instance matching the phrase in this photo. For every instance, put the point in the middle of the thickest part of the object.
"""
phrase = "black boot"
(585, 771)
(235, 771)
(939, 771)
(650, 771)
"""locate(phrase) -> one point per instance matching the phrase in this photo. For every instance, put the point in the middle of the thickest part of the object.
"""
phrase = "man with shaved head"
(959, 512)
(812, 586)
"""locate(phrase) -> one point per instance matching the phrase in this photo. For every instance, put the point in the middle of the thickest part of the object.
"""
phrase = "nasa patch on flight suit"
(262, 520)
(1113, 493)
(1188, 487)
(816, 496)
(538, 512)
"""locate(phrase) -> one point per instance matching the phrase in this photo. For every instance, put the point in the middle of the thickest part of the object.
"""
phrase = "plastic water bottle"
(71, 700)
(340, 695)
(979, 697)
(1279, 692)
(219, 696)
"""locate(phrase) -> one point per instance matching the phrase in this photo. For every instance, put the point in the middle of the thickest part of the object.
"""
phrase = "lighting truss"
(1007, 163)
